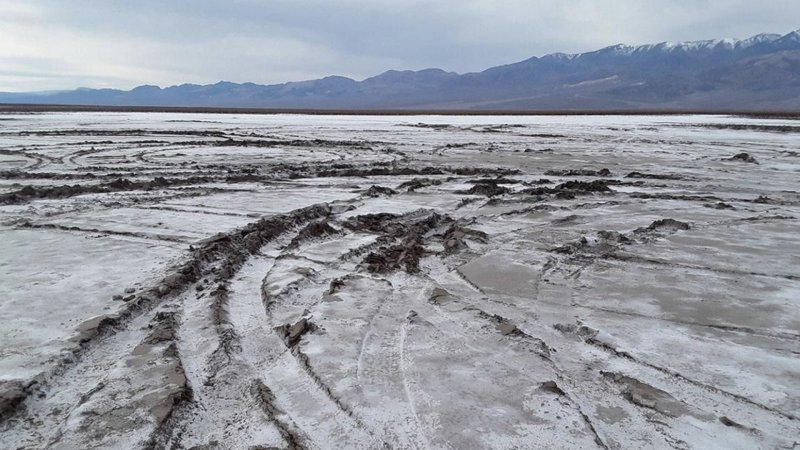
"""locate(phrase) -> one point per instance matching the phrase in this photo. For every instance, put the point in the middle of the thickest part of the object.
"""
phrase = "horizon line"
(6, 108)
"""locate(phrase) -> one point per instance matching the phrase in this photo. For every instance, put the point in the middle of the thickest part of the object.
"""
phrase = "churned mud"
(197, 281)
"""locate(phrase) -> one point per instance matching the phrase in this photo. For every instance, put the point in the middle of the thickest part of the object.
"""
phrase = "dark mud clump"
(719, 205)
(613, 236)
(578, 329)
(763, 199)
(573, 247)
(29, 193)
(163, 328)
(401, 171)
(749, 127)
(553, 388)
(743, 157)
(440, 296)
(293, 333)
(584, 186)
(379, 191)
(434, 126)
(313, 230)
(647, 396)
(502, 325)
(655, 176)
(418, 183)
(663, 196)
(380, 222)
(454, 238)
(603, 243)
(405, 255)
(728, 422)
(403, 238)
(539, 182)
(570, 189)
(572, 218)
(669, 225)
(12, 393)
(499, 180)
(488, 189)
(465, 202)
(578, 173)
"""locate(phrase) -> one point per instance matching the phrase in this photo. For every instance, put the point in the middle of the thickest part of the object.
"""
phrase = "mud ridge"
(28, 193)
(52, 226)
(729, 328)
(507, 328)
(642, 260)
(571, 189)
(290, 335)
(605, 173)
(219, 257)
(486, 188)
(410, 231)
(657, 176)
(418, 183)
(313, 230)
(409, 171)
(376, 191)
(266, 402)
(623, 354)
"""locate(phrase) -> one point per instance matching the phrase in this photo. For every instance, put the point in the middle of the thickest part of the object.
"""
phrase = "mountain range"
(759, 73)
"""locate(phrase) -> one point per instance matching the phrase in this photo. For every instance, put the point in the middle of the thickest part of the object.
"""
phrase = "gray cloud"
(52, 44)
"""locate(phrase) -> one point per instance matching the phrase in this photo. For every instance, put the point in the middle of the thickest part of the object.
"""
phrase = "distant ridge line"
(6, 108)
(720, 75)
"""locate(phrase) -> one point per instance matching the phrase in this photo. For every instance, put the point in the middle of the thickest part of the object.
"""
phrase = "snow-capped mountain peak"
(695, 46)
(793, 36)
(760, 38)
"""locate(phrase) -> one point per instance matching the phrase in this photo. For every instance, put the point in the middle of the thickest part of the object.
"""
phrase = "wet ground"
(253, 281)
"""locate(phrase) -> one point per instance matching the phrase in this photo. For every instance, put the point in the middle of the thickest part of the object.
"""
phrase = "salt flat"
(290, 281)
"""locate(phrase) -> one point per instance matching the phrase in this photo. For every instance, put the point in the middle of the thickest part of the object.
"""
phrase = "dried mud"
(398, 282)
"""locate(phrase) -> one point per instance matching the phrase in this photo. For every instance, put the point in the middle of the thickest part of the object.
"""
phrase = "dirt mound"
(655, 176)
(379, 191)
(488, 189)
(29, 193)
(499, 180)
(400, 171)
(406, 233)
(292, 334)
(579, 173)
(663, 225)
(584, 186)
(163, 328)
(12, 393)
(417, 183)
(570, 189)
(380, 222)
(719, 205)
(646, 396)
(763, 199)
(539, 182)
(578, 329)
(313, 230)
(406, 255)
(743, 157)
(602, 243)
(454, 238)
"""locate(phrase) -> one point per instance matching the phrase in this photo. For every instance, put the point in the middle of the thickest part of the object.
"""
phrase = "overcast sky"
(64, 44)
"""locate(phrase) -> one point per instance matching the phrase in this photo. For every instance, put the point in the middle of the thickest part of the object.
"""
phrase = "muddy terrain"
(223, 281)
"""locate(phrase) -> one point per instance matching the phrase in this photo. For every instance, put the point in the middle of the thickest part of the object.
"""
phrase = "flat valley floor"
(216, 281)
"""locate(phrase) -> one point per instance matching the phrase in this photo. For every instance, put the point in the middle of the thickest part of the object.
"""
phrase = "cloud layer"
(53, 44)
